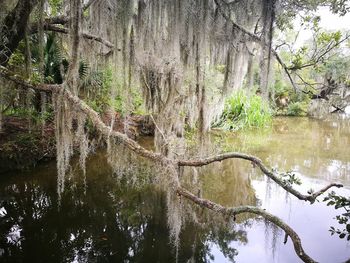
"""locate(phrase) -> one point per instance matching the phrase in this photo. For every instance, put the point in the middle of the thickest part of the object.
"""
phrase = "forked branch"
(233, 211)
(269, 173)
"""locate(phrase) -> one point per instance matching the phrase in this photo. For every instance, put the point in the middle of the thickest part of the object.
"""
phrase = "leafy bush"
(244, 110)
(297, 109)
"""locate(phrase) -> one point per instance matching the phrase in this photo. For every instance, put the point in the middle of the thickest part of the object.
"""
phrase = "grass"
(243, 110)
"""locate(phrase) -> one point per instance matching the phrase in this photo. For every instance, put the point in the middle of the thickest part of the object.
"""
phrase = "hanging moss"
(168, 50)
(158, 41)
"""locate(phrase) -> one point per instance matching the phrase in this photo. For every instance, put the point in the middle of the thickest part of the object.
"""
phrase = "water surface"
(109, 221)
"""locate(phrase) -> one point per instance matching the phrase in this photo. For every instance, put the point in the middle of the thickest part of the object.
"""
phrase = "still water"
(107, 221)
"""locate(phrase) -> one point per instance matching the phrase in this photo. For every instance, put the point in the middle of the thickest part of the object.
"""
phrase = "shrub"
(297, 109)
(244, 110)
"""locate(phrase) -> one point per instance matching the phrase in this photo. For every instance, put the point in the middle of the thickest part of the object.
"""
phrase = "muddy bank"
(24, 145)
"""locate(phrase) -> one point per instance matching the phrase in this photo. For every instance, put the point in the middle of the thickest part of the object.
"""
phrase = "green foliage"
(297, 109)
(336, 66)
(289, 178)
(97, 88)
(17, 59)
(245, 111)
(340, 202)
(56, 6)
(52, 60)
(281, 89)
(298, 58)
(36, 118)
(287, 101)
(137, 103)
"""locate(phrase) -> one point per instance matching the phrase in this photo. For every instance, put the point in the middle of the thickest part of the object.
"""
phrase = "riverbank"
(24, 145)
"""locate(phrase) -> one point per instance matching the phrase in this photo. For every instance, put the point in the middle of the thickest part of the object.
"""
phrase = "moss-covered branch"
(233, 155)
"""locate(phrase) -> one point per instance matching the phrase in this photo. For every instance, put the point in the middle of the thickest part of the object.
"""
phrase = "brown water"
(111, 222)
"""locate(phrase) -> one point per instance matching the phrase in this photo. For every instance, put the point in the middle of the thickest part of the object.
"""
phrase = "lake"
(101, 218)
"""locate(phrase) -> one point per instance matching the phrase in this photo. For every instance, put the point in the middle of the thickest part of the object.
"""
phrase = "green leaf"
(331, 203)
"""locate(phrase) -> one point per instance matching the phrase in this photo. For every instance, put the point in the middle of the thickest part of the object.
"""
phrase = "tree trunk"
(13, 29)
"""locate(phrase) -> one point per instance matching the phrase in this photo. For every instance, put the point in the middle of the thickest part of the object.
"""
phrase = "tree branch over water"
(274, 176)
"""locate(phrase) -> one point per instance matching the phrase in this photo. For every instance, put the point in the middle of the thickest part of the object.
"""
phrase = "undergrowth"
(243, 110)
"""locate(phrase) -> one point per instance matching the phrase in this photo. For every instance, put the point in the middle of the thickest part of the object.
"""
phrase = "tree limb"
(63, 19)
(13, 29)
(321, 56)
(233, 211)
(233, 155)
(88, 36)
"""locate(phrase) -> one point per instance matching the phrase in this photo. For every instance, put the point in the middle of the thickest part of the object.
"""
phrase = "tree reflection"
(111, 222)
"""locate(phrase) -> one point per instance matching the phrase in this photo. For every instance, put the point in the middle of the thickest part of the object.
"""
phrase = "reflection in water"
(110, 223)
(114, 222)
(308, 146)
(319, 153)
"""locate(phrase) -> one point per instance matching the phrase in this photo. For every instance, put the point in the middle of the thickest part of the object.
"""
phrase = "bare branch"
(84, 35)
(64, 19)
(25, 84)
(319, 58)
(58, 20)
(233, 155)
(253, 210)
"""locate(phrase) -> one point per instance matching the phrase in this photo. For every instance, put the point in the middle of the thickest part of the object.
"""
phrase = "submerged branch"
(233, 155)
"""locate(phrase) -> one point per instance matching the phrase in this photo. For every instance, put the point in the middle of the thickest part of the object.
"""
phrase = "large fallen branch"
(171, 165)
